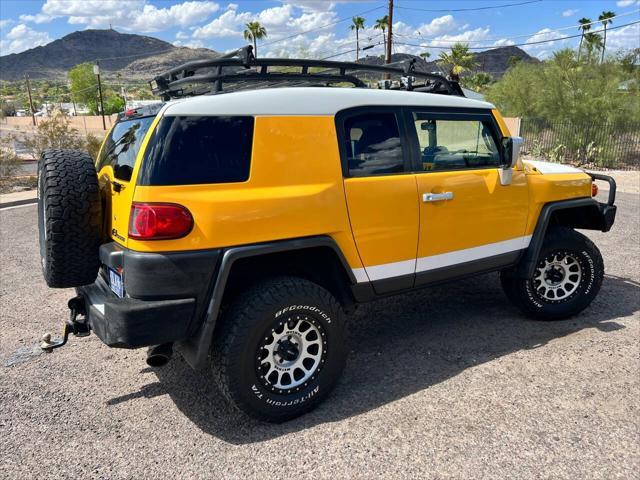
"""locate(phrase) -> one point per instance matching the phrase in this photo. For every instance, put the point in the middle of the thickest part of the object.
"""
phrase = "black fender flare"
(600, 217)
(195, 350)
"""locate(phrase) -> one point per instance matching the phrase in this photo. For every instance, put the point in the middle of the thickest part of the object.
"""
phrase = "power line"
(571, 27)
(468, 9)
(567, 37)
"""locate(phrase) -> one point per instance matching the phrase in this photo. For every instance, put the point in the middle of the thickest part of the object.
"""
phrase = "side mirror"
(510, 154)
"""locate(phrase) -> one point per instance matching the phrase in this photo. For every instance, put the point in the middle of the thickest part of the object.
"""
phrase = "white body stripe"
(549, 167)
(423, 264)
(310, 101)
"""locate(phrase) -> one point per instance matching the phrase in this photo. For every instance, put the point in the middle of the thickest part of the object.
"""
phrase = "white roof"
(310, 101)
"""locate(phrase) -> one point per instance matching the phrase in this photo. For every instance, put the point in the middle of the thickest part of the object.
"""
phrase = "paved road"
(447, 382)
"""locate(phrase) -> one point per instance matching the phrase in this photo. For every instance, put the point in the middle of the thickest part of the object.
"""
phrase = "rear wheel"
(69, 218)
(280, 350)
(567, 277)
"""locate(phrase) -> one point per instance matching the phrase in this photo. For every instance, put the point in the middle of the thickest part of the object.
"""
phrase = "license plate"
(115, 283)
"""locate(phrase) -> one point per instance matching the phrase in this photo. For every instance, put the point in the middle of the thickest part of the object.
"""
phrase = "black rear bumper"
(165, 296)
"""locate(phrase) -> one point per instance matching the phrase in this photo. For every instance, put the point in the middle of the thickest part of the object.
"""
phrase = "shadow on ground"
(399, 346)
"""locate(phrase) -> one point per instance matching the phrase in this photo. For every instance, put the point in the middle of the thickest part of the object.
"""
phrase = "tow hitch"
(78, 326)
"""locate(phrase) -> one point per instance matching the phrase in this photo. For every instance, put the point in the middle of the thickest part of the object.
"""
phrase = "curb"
(18, 202)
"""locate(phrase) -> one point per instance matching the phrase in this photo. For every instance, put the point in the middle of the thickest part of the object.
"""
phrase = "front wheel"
(280, 349)
(567, 277)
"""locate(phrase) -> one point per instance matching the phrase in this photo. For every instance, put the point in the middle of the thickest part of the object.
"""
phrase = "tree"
(113, 104)
(382, 24)
(84, 86)
(477, 82)
(425, 55)
(459, 60)
(606, 18)
(357, 25)
(594, 44)
(584, 27)
(513, 60)
(254, 32)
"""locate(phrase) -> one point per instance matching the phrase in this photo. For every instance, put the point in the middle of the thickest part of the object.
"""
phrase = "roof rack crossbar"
(245, 67)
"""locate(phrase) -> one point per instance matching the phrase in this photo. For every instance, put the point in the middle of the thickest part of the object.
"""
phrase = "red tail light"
(159, 221)
(594, 189)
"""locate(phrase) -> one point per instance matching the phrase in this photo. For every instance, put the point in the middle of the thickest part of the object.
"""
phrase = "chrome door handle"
(437, 197)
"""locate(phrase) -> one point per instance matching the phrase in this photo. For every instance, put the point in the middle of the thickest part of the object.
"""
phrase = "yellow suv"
(236, 225)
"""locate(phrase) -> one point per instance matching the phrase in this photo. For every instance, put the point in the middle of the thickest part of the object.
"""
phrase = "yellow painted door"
(381, 198)
(469, 221)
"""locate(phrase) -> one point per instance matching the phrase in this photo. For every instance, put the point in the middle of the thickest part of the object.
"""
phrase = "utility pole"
(96, 70)
(389, 33)
(33, 116)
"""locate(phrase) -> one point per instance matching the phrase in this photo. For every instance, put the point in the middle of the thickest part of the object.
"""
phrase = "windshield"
(121, 148)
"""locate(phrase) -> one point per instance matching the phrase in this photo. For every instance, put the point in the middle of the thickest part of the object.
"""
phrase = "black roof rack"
(240, 70)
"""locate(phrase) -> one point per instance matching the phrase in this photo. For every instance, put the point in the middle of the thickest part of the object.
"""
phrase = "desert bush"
(93, 144)
(9, 161)
(54, 132)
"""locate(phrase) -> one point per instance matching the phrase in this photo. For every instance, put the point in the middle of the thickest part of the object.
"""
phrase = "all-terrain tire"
(279, 308)
(69, 218)
(567, 251)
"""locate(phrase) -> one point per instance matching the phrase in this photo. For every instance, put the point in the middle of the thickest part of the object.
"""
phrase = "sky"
(418, 25)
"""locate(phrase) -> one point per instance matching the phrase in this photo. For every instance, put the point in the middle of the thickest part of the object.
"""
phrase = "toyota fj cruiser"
(236, 225)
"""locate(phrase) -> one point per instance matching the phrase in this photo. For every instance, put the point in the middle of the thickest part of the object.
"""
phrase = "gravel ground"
(449, 382)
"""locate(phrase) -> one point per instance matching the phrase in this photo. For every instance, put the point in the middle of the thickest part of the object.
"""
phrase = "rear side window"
(121, 148)
(373, 144)
(191, 150)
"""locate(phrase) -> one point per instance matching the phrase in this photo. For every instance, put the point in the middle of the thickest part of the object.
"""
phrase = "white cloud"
(624, 3)
(22, 38)
(5, 23)
(226, 25)
(153, 19)
(134, 15)
(569, 13)
(503, 42)
(190, 44)
(624, 38)
(467, 36)
(551, 38)
(38, 18)
(437, 26)
(182, 36)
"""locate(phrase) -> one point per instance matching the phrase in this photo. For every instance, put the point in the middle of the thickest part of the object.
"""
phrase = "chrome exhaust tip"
(159, 355)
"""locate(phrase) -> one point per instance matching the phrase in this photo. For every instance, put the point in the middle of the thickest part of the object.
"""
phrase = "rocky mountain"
(136, 56)
(495, 61)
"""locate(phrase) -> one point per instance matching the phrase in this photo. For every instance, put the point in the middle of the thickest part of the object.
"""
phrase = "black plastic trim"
(466, 269)
(195, 349)
(602, 220)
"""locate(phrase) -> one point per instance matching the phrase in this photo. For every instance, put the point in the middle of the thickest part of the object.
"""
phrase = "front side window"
(373, 146)
(453, 144)
(188, 150)
(121, 147)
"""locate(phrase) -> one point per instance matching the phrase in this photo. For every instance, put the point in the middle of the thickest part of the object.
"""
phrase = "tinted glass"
(373, 144)
(191, 150)
(121, 148)
(455, 144)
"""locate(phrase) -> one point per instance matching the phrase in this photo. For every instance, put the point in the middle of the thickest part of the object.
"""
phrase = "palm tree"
(606, 18)
(459, 60)
(382, 24)
(357, 25)
(584, 24)
(593, 42)
(254, 32)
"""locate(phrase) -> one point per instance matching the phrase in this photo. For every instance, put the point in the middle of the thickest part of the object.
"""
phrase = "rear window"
(191, 150)
(121, 148)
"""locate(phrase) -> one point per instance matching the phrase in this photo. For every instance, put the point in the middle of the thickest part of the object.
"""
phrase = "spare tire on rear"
(69, 218)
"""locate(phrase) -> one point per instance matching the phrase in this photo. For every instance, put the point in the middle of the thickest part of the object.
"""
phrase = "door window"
(453, 144)
(373, 146)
